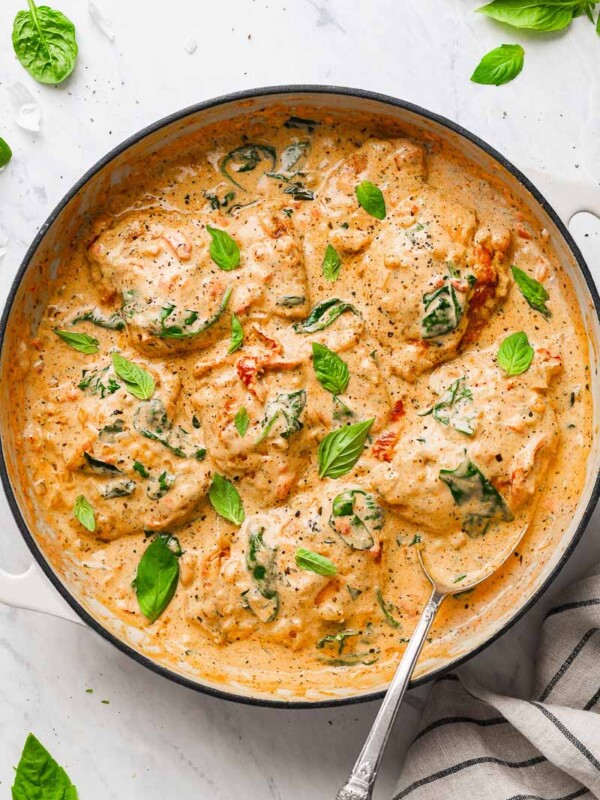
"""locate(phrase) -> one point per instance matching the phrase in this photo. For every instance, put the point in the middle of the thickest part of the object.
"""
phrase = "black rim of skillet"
(156, 126)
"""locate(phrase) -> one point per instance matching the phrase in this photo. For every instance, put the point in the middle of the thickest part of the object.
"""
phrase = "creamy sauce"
(459, 458)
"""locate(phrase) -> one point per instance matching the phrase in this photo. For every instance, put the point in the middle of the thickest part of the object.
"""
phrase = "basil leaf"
(241, 421)
(110, 432)
(39, 777)
(304, 124)
(371, 199)
(500, 66)
(114, 322)
(185, 331)
(293, 155)
(100, 467)
(5, 153)
(261, 564)
(44, 42)
(237, 335)
(323, 315)
(223, 250)
(156, 579)
(532, 290)
(92, 382)
(341, 412)
(469, 486)
(340, 450)
(137, 381)
(443, 308)
(290, 301)
(331, 371)
(118, 489)
(450, 410)
(314, 562)
(245, 159)
(225, 500)
(338, 639)
(141, 469)
(531, 15)
(354, 516)
(83, 511)
(332, 264)
(79, 341)
(387, 609)
(285, 410)
(515, 354)
(151, 420)
(160, 486)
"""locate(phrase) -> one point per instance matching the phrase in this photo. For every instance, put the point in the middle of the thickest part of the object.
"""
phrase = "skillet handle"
(567, 197)
(32, 590)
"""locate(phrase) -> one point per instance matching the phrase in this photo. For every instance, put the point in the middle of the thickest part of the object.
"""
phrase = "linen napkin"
(474, 744)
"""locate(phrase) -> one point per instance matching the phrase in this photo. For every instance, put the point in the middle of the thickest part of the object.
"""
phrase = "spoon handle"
(362, 778)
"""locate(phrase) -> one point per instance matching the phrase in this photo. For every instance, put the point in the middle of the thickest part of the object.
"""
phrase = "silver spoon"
(364, 773)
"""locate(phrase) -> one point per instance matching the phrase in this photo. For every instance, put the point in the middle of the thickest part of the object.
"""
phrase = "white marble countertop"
(155, 739)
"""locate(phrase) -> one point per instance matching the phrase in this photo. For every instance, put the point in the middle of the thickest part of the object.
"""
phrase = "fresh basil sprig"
(370, 197)
(44, 42)
(223, 249)
(536, 15)
(79, 341)
(332, 372)
(500, 65)
(340, 450)
(237, 335)
(515, 354)
(157, 576)
(225, 500)
(533, 291)
(137, 381)
(39, 776)
(241, 421)
(332, 264)
(314, 562)
(83, 511)
(323, 315)
(5, 153)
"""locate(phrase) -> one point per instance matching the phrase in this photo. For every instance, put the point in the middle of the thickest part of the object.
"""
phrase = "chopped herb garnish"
(388, 610)
(282, 415)
(187, 329)
(261, 564)
(451, 408)
(113, 322)
(237, 335)
(141, 469)
(241, 421)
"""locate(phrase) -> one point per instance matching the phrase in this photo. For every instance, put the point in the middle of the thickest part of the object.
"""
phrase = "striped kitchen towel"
(477, 745)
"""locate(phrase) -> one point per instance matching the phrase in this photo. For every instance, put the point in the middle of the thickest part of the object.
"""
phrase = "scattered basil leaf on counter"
(332, 264)
(331, 371)
(185, 330)
(532, 290)
(5, 153)
(469, 487)
(79, 341)
(515, 354)
(137, 381)
(500, 66)
(370, 197)
(83, 511)
(452, 408)
(141, 469)
(225, 500)
(323, 315)
(44, 42)
(237, 335)
(387, 609)
(340, 450)
(314, 562)
(355, 515)
(157, 577)
(223, 249)
(241, 421)
(338, 639)
(39, 777)
(532, 15)
(114, 322)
